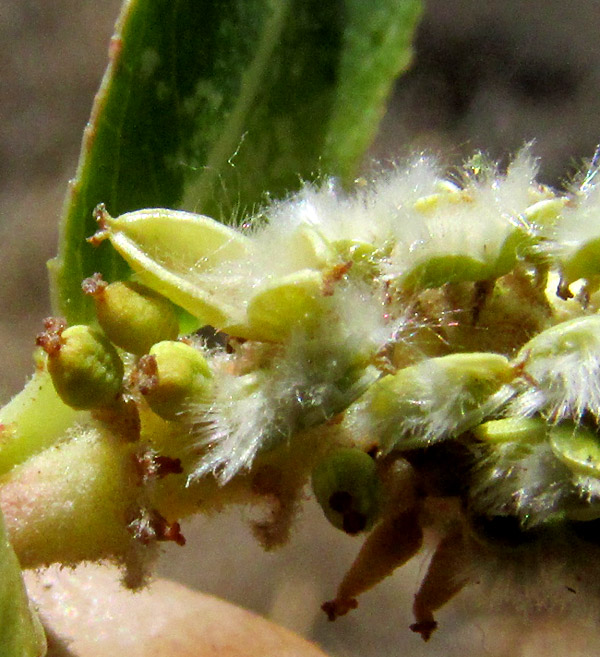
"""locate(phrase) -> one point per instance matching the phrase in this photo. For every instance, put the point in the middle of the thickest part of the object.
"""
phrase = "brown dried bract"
(150, 465)
(334, 275)
(94, 285)
(145, 376)
(482, 292)
(150, 526)
(49, 340)
(100, 215)
(563, 291)
(172, 532)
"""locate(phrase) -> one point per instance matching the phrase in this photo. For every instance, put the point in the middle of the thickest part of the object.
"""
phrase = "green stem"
(32, 421)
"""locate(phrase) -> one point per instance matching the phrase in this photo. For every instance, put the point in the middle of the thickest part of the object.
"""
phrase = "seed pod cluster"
(449, 323)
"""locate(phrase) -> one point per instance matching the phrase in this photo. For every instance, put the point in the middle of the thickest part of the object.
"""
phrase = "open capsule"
(169, 249)
(438, 398)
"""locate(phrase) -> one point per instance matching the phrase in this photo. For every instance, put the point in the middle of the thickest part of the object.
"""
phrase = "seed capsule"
(469, 234)
(546, 212)
(438, 398)
(173, 377)
(170, 249)
(289, 302)
(578, 448)
(527, 430)
(574, 239)
(132, 316)
(562, 364)
(347, 487)
(85, 368)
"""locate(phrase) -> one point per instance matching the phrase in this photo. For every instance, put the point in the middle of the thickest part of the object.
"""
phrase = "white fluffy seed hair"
(235, 423)
(369, 214)
(381, 213)
(440, 409)
(476, 227)
(563, 382)
(566, 387)
(523, 480)
(580, 219)
(311, 378)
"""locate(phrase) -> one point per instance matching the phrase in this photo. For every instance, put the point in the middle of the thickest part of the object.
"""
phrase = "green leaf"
(211, 106)
(21, 632)
(377, 48)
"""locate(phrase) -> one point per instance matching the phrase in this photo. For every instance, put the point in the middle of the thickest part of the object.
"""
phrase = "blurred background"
(486, 75)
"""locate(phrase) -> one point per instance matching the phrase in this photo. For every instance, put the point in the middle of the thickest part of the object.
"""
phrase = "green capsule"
(582, 262)
(132, 316)
(545, 212)
(173, 377)
(347, 487)
(436, 271)
(438, 398)
(479, 250)
(170, 249)
(290, 302)
(581, 334)
(85, 367)
(528, 430)
(578, 448)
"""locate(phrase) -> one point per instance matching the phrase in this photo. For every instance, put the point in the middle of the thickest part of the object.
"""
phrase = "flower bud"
(85, 368)
(172, 378)
(347, 487)
(132, 316)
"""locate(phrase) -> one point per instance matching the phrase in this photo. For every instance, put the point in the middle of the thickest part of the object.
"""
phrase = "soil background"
(486, 75)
